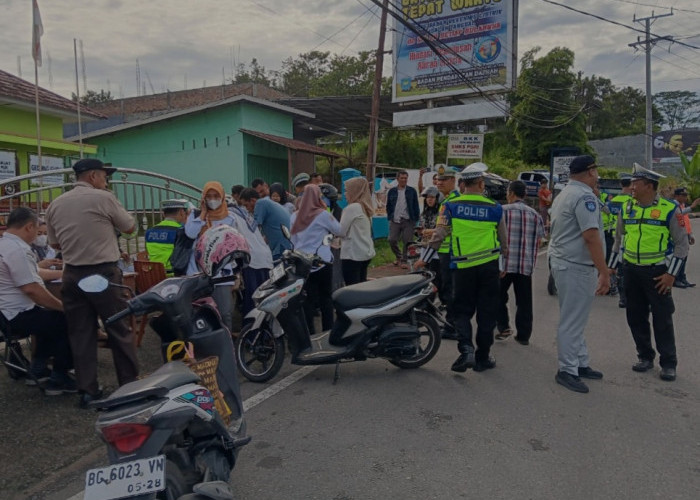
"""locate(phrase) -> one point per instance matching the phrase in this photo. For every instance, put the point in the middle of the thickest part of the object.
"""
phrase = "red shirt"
(545, 196)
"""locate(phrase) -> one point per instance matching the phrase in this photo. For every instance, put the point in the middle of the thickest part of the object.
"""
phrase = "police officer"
(160, 239)
(645, 228)
(446, 181)
(477, 239)
(617, 205)
(577, 260)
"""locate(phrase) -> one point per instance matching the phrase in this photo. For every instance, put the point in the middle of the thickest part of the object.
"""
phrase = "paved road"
(511, 432)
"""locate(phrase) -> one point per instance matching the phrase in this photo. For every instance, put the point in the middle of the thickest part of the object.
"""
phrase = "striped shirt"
(524, 229)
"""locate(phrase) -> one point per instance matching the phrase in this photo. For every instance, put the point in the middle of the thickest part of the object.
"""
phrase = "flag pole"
(38, 137)
(77, 98)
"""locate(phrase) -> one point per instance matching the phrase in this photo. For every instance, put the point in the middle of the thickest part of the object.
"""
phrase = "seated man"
(160, 239)
(29, 307)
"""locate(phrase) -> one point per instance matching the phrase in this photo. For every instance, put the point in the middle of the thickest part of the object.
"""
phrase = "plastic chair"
(12, 356)
(147, 274)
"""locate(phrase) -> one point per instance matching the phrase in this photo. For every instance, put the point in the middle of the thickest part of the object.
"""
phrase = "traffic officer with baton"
(646, 227)
(477, 234)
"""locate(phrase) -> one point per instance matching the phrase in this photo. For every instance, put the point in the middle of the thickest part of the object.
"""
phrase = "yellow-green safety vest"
(647, 231)
(474, 219)
(617, 205)
(445, 245)
(609, 220)
(160, 242)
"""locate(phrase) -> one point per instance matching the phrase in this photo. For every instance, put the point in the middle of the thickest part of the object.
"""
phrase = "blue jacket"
(411, 201)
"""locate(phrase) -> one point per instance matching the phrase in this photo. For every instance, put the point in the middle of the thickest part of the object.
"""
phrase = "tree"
(255, 74)
(678, 109)
(544, 112)
(299, 76)
(91, 97)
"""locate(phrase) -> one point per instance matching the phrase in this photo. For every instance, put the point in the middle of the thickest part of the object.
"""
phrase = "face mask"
(213, 204)
(41, 241)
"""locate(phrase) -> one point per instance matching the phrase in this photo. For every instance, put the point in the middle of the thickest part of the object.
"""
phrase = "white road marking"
(255, 400)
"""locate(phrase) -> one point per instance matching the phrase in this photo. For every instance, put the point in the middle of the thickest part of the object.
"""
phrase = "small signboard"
(49, 163)
(560, 165)
(8, 165)
(465, 146)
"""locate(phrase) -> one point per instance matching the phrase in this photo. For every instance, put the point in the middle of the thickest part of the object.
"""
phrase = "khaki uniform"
(83, 221)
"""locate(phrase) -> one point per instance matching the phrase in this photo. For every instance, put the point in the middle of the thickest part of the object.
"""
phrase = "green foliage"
(255, 73)
(692, 172)
(384, 255)
(678, 109)
(401, 148)
(545, 114)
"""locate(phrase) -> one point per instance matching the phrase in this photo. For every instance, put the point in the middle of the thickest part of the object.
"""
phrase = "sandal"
(504, 334)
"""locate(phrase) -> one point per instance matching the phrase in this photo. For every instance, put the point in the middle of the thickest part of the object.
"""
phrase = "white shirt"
(401, 209)
(17, 268)
(356, 230)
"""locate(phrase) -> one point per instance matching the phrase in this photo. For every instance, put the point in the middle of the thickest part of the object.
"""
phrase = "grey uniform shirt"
(17, 268)
(574, 211)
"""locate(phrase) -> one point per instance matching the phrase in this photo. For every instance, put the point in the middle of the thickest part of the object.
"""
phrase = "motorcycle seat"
(376, 292)
(167, 377)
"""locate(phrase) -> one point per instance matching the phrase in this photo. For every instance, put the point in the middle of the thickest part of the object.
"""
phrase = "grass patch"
(384, 254)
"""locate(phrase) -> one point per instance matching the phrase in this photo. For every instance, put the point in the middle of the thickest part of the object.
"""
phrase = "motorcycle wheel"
(259, 354)
(175, 483)
(429, 343)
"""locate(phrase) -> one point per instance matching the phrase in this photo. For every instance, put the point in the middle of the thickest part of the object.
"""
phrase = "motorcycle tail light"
(126, 438)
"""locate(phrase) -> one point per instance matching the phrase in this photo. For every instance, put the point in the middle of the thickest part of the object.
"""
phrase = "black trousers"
(642, 297)
(354, 271)
(475, 289)
(319, 288)
(522, 286)
(49, 328)
(445, 289)
(82, 310)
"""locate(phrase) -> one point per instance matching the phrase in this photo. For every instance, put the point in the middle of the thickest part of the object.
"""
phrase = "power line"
(658, 6)
(605, 19)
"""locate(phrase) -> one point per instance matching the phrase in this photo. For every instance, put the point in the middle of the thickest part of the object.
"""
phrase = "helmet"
(329, 191)
(219, 246)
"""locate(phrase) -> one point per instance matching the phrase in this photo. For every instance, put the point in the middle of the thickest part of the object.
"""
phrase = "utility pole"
(374, 119)
(648, 43)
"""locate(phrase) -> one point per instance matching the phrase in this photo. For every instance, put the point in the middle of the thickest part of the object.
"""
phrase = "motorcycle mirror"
(95, 283)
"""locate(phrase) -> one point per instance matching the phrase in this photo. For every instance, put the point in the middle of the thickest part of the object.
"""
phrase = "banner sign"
(8, 165)
(465, 146)
(480, 35)
(560, 166)
(49, 163)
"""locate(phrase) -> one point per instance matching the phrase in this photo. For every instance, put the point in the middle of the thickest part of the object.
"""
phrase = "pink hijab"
(310, 206)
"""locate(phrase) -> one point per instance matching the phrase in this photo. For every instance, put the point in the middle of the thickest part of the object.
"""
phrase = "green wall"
(20, 122)
(199, 147)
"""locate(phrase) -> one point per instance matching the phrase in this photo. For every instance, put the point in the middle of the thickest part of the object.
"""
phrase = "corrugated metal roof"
(292, 143)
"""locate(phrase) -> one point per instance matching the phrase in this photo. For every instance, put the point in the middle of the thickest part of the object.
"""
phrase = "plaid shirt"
(524, 229)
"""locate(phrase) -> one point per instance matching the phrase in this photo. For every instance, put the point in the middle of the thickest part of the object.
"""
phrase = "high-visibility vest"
(160, 241)
(647, 231)
(474, 220)
(445, 245)
(609, 220)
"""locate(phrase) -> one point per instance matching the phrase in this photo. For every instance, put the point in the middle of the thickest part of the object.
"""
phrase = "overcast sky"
(185, 43)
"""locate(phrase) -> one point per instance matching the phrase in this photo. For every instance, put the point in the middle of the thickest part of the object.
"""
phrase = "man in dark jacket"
(402, 212)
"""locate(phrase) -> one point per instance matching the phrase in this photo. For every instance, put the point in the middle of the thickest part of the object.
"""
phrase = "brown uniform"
(83, 222)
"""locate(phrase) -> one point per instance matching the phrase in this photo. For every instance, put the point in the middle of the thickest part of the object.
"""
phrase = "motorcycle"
(392, 318)
(166, 433)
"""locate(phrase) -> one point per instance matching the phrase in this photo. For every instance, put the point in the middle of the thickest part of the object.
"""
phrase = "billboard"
(8, 165)
(465, 146)
(481, 39)
(667, 145)
(49, 163)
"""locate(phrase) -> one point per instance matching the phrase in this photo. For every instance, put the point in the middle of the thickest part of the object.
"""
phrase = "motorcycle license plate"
(126, 479)
(277, 272)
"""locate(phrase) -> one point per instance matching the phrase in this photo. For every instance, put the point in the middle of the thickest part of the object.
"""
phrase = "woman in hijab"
(357, 247)
(310, 224)
(279, 194)
(213, 212)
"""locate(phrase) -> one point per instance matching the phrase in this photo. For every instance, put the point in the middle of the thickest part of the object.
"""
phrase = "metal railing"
(140, 191)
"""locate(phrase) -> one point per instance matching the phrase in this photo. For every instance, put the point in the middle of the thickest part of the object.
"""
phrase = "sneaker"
(571, 382)
(37, 376)
(61, 385)
(589, 373)
(485, 364)
(86, 399)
